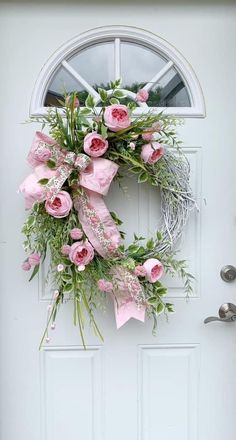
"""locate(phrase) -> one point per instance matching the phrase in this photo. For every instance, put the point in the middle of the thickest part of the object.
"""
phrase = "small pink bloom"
(81, 268)
(65, 250)
(53, 326)
(95, 145)
(81, 253)
(147, 135)
(142, 95)
(140, 271)
(26, 266)
(154, 269)
(60, 267)
(132, 146)
(76, 233)
(151, 153)
(34, 259)
(61, 205)
(105, 286)
(116, 117)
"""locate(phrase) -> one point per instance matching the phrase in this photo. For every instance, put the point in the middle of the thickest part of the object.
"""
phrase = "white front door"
(179, 384)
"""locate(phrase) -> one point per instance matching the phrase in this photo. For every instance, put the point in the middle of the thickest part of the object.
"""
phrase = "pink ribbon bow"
(95, 177)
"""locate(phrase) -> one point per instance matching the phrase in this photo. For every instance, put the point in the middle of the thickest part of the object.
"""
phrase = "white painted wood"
(80, 79)
(158, 76)
(179, 384)
(117, 58)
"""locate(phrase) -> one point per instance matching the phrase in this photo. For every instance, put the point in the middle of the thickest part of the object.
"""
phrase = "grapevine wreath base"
(73, 168)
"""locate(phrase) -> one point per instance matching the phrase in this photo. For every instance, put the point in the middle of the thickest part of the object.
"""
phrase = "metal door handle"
(227, 313)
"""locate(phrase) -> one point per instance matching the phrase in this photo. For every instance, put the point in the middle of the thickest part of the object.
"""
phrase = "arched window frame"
(134, 35)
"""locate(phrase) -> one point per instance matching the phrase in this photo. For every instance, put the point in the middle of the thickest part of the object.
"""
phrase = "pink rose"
(154, 269)
(81, 253)
(95, 145)
(140, 271)
(105, 286)
(65, 250)
(31, 189)
(142, 95)
(76, 233)
(26, 266)
(39, 153)
(61, 205)
(34, 259)
(116, 117)
(151, 153)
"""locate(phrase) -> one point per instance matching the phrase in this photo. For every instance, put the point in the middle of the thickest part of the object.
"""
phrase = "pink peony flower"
(34, 259)
(37, 155)
(65, 250)
(95, 145)
(31, 189)
(76, 234)
(154, 269)
(116, 117)
(26, 266)
(105, 286)
(81, 253)
(151, 153)
(142, 95)
(147, 135)
(61, 205)
(140, 271)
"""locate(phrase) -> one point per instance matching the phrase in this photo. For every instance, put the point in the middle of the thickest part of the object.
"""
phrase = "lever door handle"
(227, 313)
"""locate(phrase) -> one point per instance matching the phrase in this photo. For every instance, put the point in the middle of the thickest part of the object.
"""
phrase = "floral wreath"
(72, 171)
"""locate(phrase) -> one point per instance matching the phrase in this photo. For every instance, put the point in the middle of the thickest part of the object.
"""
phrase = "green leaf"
(68, 288)
(115, 218)
(160, 308)
(51, 164)
(150, 244)
(118, 94)
(66, 277)
(103, 131)
(43, 181)
(90, 102)
(133, 248)
(170, 307)
(143, 177)
(103, 94)
(152, 300)
(35, 271)
(30, 221)
(159, 236)
(85, 111)
(114, 101)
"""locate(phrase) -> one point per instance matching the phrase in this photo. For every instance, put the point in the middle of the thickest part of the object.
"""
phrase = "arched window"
(139, 58)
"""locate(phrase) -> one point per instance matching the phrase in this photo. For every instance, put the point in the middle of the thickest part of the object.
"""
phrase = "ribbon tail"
(55, 184)
(128, 310)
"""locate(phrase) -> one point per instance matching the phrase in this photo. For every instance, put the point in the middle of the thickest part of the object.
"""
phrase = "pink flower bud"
(142, 95)
(76, 234)
(65, 250)
(26, 266)
(81, 268)
(132, 145)
(60, 267)
(34, 259)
